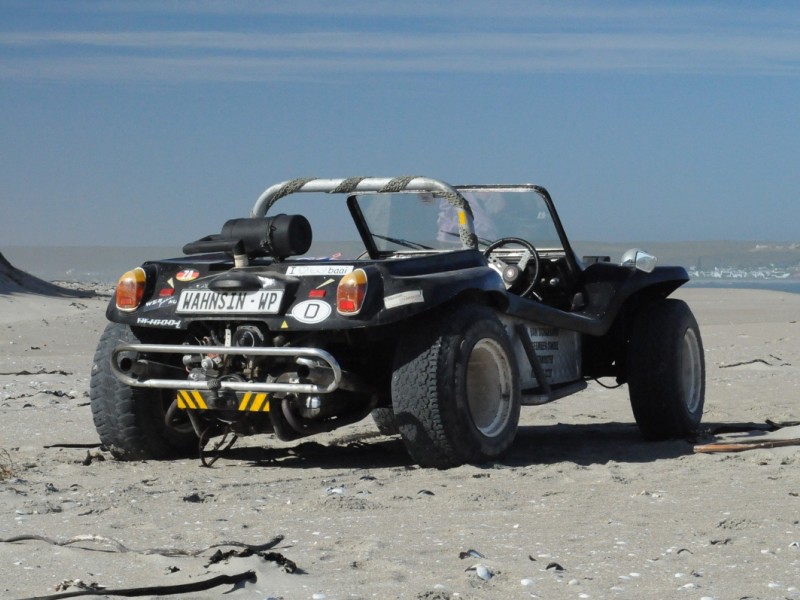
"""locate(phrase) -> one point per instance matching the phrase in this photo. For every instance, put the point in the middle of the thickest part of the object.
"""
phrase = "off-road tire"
(130, 421)
(385, 421)
(440, 367)
(666, 370)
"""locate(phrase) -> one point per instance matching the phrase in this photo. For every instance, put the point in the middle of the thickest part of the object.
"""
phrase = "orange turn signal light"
(130, 289)
(351, 292)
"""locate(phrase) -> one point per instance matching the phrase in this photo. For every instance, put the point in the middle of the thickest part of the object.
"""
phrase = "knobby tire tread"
(654, 362)
(435, 428)
(128, 420)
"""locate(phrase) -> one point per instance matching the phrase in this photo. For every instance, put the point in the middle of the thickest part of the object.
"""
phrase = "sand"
(581, 508)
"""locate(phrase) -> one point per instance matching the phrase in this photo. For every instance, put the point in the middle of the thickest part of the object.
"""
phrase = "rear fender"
(407, 296)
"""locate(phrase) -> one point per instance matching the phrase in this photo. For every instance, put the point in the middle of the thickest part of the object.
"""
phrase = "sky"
(153, 122)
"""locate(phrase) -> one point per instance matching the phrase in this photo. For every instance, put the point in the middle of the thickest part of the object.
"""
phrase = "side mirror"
(639, 259)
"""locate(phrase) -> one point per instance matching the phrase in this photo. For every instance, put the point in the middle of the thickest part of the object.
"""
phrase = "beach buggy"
(438, 310)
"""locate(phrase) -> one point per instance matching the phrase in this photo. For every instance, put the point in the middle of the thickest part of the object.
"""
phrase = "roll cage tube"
(569, 253)
(466, 228)
(363, 230)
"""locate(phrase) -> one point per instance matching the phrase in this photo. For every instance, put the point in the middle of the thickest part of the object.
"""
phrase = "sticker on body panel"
(171, 323)
(318, 270)
(160, 302)
(187, 275)
(403, 298)
(311, 311)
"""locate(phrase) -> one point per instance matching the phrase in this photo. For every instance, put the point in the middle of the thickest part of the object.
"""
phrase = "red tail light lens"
(351, 292)
(130, 289)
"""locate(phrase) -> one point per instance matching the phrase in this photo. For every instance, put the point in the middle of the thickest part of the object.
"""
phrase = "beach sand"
(581, 507)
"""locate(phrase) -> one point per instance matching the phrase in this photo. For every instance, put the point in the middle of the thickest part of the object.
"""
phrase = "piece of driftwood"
(155, 590)
(741, 446)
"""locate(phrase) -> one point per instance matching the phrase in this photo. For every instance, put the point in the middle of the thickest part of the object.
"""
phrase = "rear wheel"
(455, 389)
(131, 421)
(666, 370)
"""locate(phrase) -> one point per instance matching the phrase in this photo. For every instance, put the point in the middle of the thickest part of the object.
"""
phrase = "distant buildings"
(757, 273)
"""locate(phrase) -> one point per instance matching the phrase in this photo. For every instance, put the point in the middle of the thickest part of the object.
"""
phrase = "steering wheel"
(515, 277)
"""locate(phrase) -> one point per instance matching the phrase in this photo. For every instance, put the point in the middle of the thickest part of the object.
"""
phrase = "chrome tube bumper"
(313, 358)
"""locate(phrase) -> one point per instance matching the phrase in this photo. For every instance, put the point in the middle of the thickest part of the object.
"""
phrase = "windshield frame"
(552, 238)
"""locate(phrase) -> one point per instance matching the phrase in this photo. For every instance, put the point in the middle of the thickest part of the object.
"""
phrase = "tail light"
(130, 289)
(351, 292)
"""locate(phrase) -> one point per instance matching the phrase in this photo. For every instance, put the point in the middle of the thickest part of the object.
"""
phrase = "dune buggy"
(439, 310)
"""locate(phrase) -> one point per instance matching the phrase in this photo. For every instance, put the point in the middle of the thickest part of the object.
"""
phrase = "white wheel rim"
(691, 371)
(489, 387)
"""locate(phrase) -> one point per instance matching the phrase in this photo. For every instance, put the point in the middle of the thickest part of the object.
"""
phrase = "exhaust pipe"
(144, 369)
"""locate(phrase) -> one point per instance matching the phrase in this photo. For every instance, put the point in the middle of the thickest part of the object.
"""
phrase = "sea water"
(85, 264)
(779, 285)
(104, 264)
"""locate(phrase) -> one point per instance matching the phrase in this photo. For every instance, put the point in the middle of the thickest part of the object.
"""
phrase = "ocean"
(84, 264)
(104, 264)
(778, 285)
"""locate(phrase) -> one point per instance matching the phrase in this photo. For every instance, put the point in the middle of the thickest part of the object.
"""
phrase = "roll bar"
(384, 185)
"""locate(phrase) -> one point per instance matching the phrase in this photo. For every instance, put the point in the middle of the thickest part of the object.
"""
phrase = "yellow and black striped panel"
(254, 402)
(191, 400)
(248, 401)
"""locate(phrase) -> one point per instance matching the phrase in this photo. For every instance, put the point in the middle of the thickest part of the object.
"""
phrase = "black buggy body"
(440, 310)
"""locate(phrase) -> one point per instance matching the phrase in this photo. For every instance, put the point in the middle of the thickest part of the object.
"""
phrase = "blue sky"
(152, 122)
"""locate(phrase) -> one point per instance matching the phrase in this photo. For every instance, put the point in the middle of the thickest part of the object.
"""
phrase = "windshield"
(418, 221)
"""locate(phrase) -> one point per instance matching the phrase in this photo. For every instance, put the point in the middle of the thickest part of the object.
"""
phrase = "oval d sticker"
(311, 311)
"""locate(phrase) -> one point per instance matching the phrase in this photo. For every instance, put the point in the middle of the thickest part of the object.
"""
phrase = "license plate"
(210, 302)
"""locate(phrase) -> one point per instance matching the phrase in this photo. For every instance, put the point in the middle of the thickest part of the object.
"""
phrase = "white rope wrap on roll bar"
(351, 185)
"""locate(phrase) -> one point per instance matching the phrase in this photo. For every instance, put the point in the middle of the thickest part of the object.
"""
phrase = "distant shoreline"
(776, 285)
(104, 264)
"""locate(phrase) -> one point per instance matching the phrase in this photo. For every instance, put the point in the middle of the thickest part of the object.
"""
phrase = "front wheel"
(131, 421)
(666, 370)
(455, 389)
